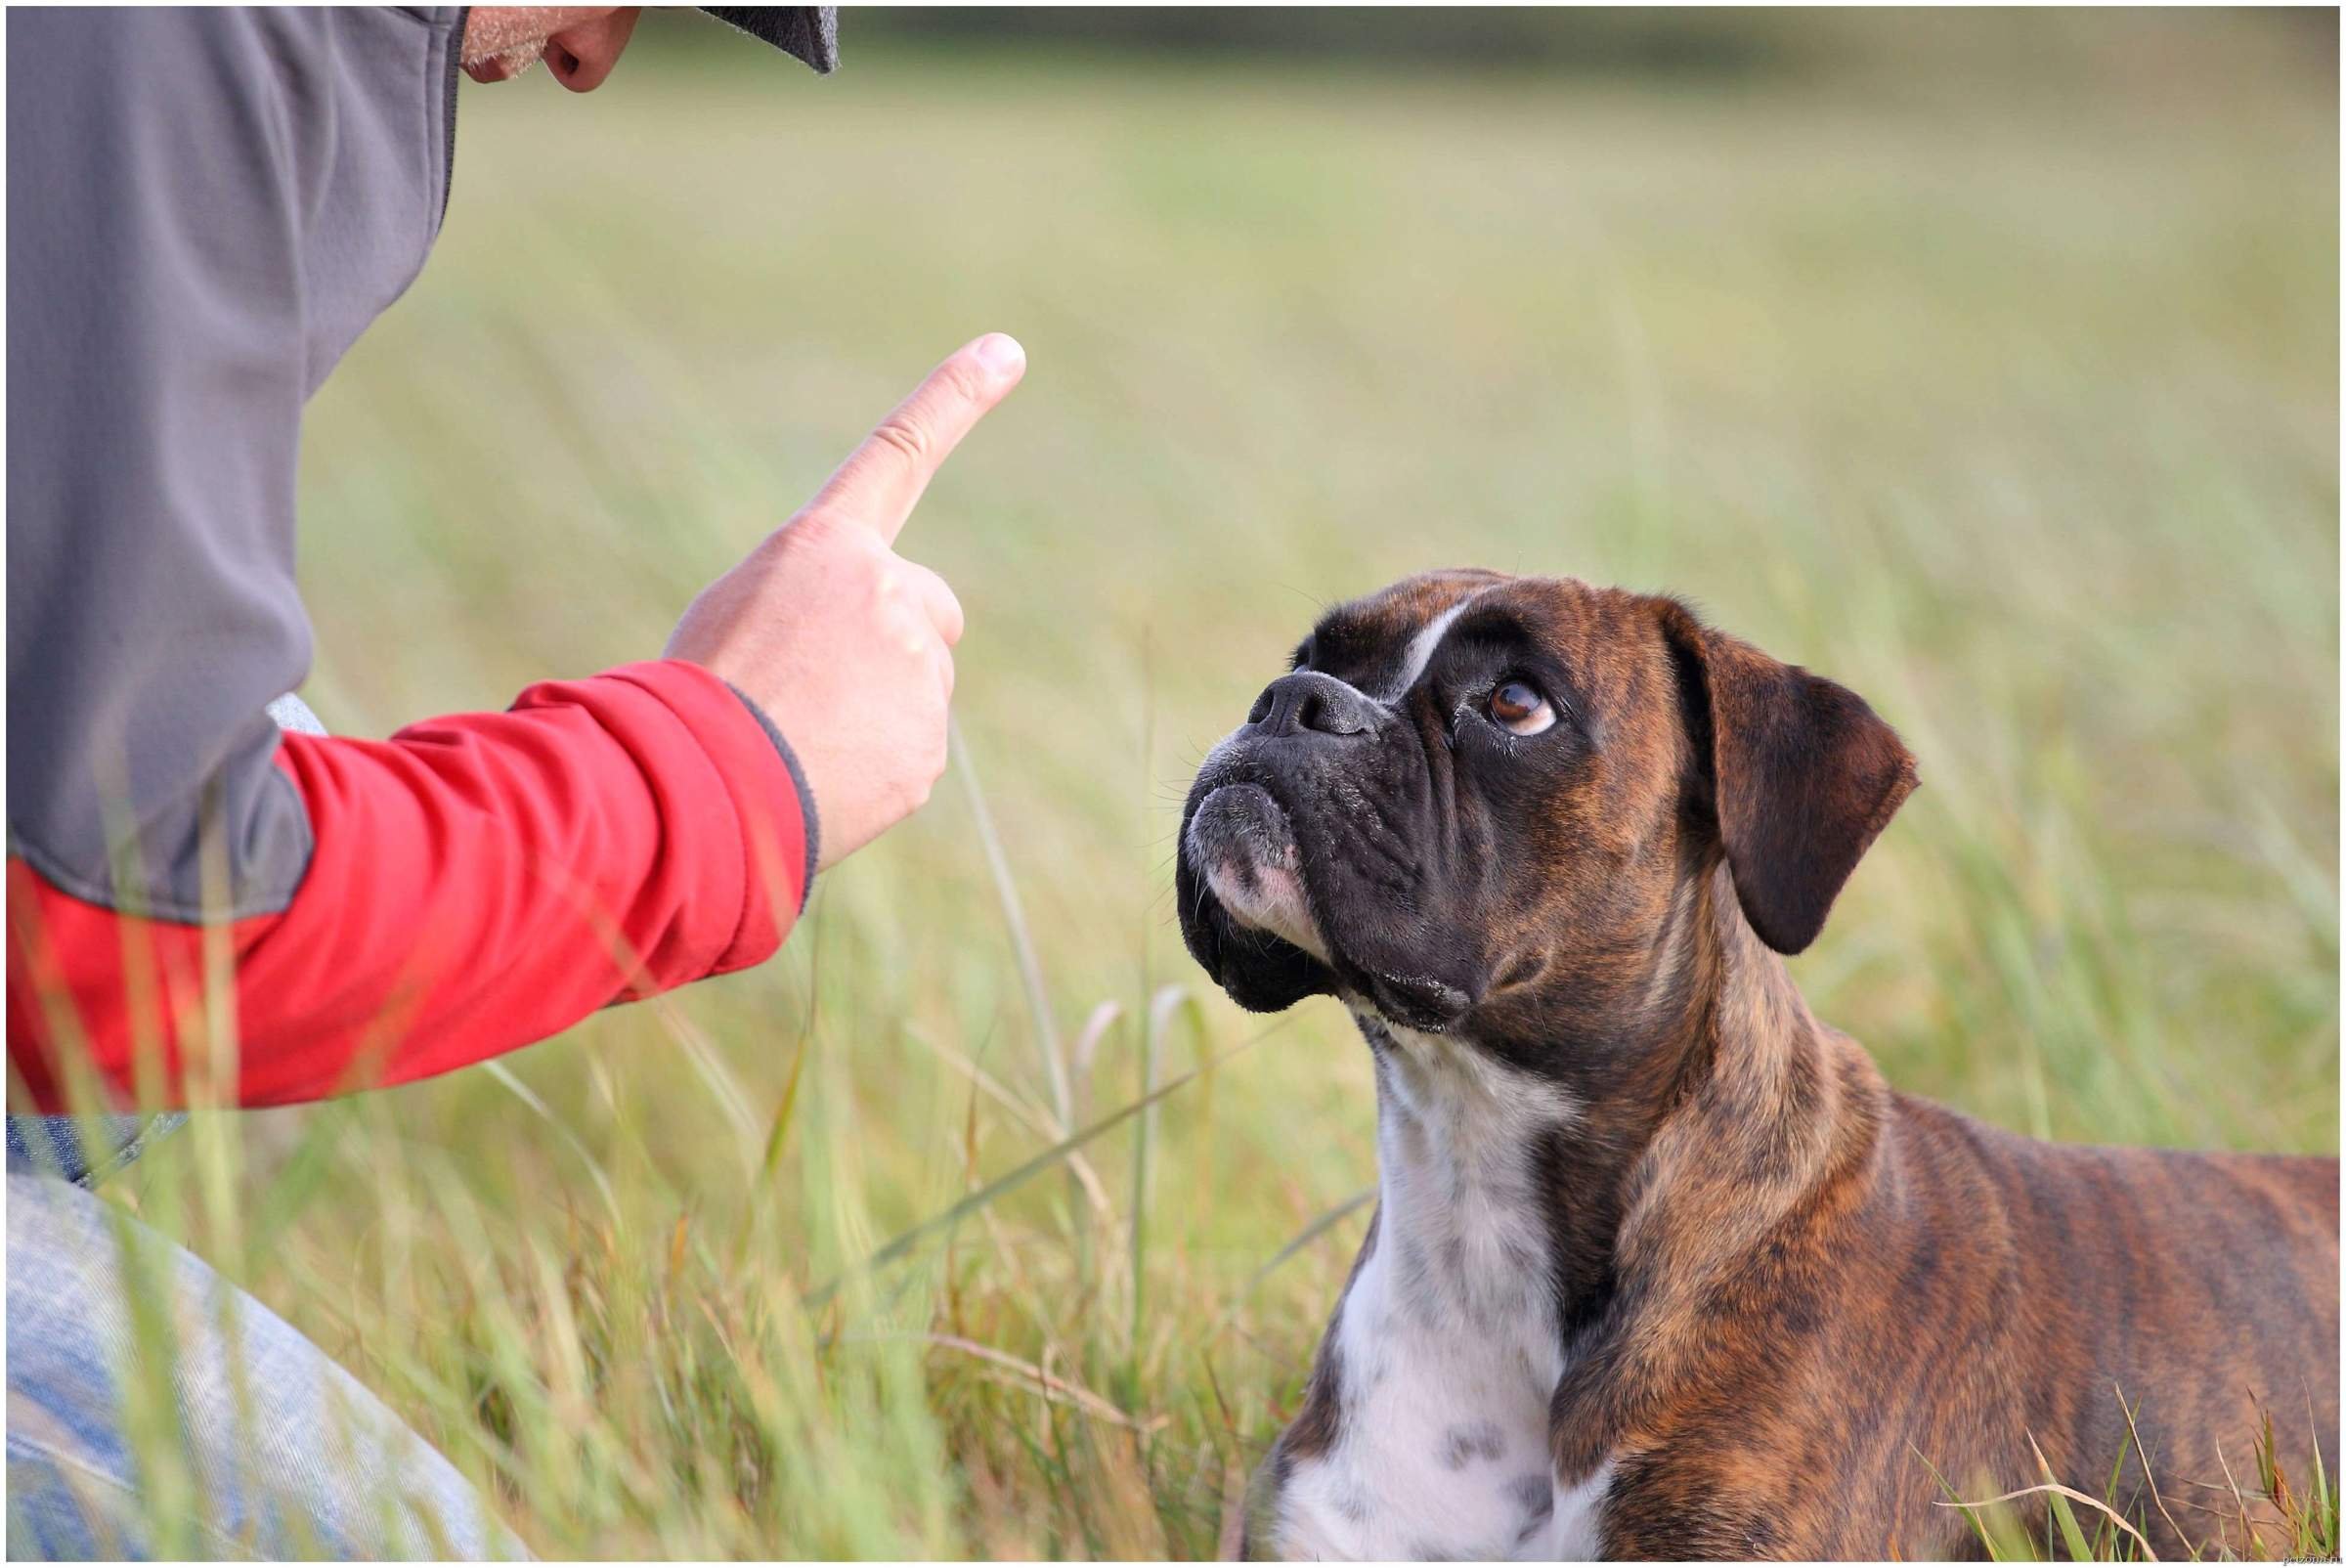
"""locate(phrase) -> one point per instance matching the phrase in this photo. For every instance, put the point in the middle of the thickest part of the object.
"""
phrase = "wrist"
(798, 779)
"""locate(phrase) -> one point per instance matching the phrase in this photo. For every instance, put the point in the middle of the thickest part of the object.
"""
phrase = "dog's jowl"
(1661, 1266)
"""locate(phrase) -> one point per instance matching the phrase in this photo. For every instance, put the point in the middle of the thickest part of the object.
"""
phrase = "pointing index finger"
(883, 479)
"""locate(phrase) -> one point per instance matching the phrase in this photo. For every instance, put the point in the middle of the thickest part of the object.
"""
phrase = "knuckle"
(816, 525)
(822, 533)
(905, 435)
(963, 379)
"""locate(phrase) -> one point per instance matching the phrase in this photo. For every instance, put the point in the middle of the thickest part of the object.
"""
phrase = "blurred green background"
(1987, 362)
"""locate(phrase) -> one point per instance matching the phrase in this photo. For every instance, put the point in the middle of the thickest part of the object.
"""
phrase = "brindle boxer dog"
(1660, 1266)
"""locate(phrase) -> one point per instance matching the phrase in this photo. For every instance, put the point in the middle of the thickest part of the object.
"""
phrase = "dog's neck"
(1462, 1150)
(1734, 1111)
(1463, 1400)
(1717, 1066)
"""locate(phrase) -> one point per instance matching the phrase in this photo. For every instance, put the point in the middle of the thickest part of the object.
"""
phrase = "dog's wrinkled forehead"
(1382, 643)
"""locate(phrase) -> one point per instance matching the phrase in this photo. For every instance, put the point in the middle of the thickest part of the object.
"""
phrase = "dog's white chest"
(1448, 1347)
(1442, 1452)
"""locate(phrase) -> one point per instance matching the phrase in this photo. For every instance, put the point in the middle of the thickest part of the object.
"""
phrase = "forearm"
(476, 882)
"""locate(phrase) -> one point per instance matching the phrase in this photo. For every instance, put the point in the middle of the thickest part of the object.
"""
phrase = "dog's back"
(1965, 1293)
(2201, 1289)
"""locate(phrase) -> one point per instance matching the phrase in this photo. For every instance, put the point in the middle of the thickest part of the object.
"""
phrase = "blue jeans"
(280, 1453)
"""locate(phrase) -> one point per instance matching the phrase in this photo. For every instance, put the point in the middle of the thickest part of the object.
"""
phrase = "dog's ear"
(1801, 775)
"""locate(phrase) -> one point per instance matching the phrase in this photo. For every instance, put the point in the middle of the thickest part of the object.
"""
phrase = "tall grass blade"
(1022, 936)
(1011, 1182)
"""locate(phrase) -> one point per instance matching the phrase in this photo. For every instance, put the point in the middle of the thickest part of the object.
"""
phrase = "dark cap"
(809, 32)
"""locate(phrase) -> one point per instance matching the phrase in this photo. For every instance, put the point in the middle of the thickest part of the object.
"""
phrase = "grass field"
(1994, 375)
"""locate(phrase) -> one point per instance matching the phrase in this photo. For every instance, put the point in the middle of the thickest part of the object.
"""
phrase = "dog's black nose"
(1308, 700)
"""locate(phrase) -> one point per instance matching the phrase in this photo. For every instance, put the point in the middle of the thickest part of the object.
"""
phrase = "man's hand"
(847, 645)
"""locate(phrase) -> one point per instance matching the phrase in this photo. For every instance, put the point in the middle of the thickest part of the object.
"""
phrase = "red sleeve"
(477, 883)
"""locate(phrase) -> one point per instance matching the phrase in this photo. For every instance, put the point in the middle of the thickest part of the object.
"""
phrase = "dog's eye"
(1516, 706)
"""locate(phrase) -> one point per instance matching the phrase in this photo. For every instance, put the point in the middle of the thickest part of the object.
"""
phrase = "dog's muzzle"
(1242, 844)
